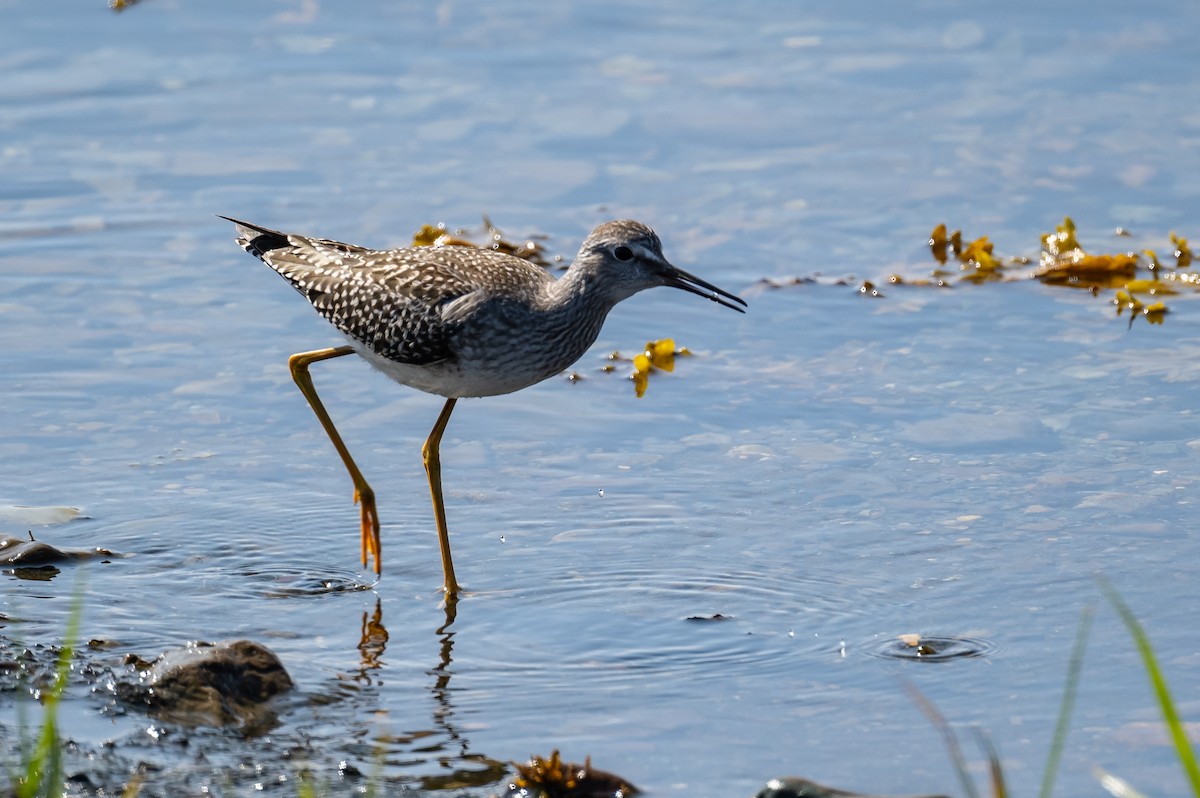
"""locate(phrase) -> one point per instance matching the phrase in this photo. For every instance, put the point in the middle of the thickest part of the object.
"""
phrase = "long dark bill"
(678, 278)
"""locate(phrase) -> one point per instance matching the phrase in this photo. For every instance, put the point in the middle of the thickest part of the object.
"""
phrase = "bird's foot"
(371, 545)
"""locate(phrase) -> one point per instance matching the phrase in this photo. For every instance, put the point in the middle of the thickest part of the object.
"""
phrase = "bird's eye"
(623, 253)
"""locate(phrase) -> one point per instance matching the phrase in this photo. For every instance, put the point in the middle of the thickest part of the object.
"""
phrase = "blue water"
(829, 470)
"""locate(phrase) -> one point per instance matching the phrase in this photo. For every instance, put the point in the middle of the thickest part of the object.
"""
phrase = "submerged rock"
(19, 551)
(15, 551)
(34, 560)
(210, 684)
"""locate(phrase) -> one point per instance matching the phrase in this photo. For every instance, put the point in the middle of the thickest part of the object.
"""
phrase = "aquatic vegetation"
(868, 289)
(977, 261)
(1125, 300)
(1064, 262)
(553, 778)
(1183, 254)
(490, 237)
(658, 356)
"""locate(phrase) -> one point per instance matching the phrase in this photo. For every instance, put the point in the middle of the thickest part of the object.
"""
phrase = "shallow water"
(829, 471)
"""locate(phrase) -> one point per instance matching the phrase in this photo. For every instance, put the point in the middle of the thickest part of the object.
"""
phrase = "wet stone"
(210, 684)
(17, 551)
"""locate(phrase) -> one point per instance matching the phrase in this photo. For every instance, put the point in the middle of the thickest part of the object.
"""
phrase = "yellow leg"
(433, 469)
(363, 494)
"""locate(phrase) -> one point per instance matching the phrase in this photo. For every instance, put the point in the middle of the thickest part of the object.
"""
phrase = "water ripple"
(934, 648)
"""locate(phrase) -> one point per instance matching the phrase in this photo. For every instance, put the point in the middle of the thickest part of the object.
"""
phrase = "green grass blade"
(44, 773)
(939, 722)
(995, 770)
(1183, 747)
(1074, 667)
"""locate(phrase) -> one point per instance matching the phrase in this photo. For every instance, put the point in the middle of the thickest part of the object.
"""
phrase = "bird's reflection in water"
(456, 766)
(372, 642)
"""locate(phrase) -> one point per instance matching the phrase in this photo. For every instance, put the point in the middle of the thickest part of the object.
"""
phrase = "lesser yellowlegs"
(457, 321)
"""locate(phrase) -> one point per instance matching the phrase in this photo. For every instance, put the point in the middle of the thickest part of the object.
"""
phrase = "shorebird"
(458, 321)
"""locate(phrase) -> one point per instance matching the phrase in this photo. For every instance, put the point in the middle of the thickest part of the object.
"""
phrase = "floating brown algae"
(553, 778)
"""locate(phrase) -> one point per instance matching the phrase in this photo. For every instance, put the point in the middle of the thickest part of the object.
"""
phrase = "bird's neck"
(578, 303)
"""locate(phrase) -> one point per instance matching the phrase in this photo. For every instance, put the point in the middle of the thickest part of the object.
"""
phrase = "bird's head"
(627, 256)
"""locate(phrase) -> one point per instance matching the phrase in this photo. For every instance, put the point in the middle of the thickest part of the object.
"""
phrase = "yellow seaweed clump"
(1062, 241)
(976, 259)
(1064, 262)
(979, 263)
(1125, 299)
(658, 355)
(490, 238)
(553, 778)
(1183, 253)
(940, 243)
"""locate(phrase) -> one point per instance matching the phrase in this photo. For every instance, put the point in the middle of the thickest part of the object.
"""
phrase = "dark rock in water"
(19, 551)
(15, 551)
(210, 684)
(793, 787)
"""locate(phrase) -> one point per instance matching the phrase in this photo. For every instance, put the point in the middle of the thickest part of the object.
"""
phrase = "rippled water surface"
(703, 588)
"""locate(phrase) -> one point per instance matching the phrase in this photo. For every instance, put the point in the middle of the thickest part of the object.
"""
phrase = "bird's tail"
(258, 240)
